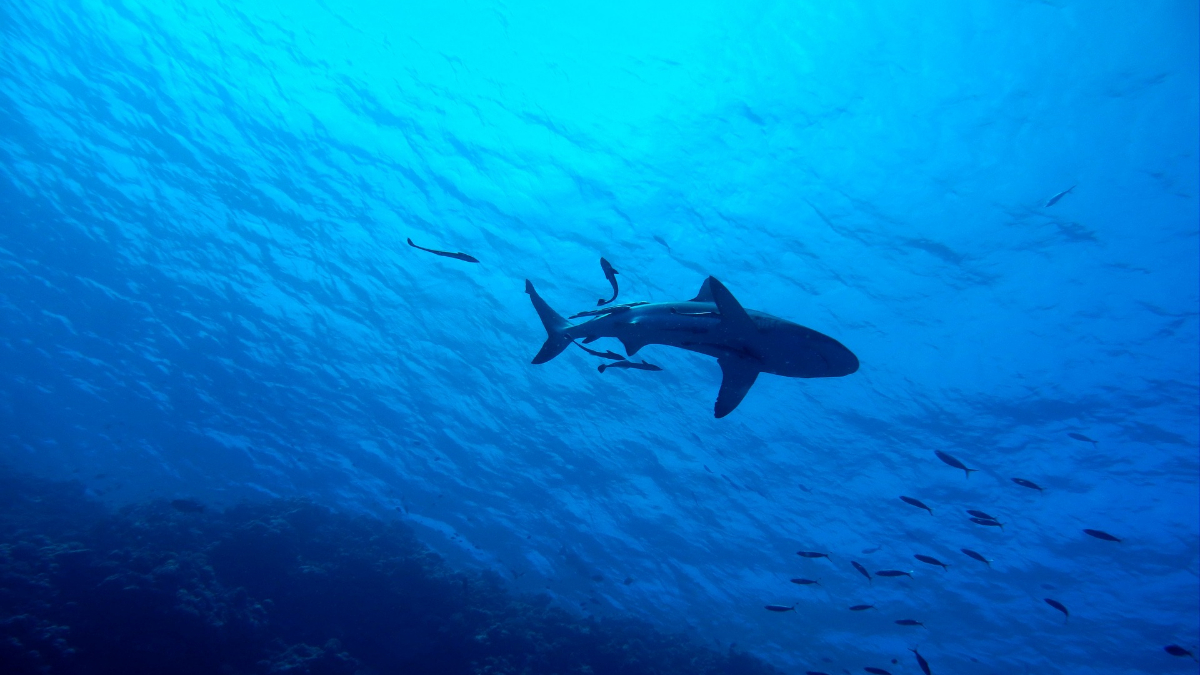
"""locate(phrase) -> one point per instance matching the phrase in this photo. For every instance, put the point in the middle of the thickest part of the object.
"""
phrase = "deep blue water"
(205, 293)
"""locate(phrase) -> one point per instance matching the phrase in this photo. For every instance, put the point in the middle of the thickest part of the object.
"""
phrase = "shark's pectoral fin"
(733, 315)
(590, 339)
(737, 376)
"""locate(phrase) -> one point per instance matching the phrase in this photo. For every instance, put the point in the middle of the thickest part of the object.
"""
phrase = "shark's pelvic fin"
(632, 345)
(732, 312)
(737, 376)
(705, 294)
(556, 327)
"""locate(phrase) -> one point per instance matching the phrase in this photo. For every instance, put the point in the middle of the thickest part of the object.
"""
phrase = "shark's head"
(803, 352)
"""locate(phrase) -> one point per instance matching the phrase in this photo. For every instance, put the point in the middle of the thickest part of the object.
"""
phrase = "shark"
(744, 342)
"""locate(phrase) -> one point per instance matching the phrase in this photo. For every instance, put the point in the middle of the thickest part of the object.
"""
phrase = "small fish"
(876, 671)
(930, 560)
(1060, 607)
(605, 311)
(805, 582)
(780, 608)
(187, 505)
(988, 522)
(909, 622)
(1085, 439)
(973, 554)
(921, 662)
(802, 487)
(860, 608)
(811, 554)
(446, 254)
(707, 469)
(952, 461)
(629, 365)
(1027, 483)
(1055, 198)
(980, 514)
(1176, 650)
(604, 354)
(862, 570)
(917, 503)
(893, 573)
(1101, 534)
(611, 275)
(663, 242)
(873, 549)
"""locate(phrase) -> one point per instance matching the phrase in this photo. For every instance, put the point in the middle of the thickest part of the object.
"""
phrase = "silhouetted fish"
(605, 311)
(805, 582)
(445, 254)
(916, 502)
(1055, 198)
(980, 514)
(871, 550)
(930, 560)
(952, 461)
(1060, 607)
(921, 662)
(862, 570)
(859, 608)
(1027, 483)
(780, 608)
(1085, 439)
(976, 556)
(893, 573)
(663, 242)
(611, 275)
(1100, 534)
(909, 622)
(628, 365)
(604, 354)
(811, 554)
(187, 505)
(1176, 650)
(988, 522)
(876, 671)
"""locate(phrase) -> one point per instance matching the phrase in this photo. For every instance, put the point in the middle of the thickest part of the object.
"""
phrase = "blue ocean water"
(206, 294)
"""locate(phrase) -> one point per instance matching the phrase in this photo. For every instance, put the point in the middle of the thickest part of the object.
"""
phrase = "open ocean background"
(206, 295)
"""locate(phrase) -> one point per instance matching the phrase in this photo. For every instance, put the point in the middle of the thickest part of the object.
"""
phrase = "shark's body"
(744, 342)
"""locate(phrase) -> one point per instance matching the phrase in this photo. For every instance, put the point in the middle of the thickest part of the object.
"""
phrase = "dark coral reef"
(280, 587)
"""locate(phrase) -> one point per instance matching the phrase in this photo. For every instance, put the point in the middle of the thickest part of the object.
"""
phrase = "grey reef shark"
(744, 342)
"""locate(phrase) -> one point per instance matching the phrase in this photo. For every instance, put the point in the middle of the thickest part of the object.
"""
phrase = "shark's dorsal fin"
(737, 376)
(733, 315)
(705, 294)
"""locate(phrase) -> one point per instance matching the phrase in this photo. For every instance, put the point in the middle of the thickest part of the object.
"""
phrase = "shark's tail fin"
(556, 327)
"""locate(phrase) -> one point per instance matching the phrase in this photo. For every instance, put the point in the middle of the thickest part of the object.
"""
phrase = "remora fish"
(631, 365)
(606, 354)
(446, 254)
(744, 342)
(611, 275)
